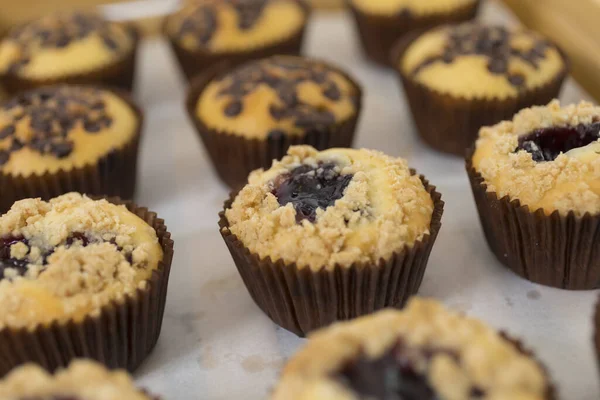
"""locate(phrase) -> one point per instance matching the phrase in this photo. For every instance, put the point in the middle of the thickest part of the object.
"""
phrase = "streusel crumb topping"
(338, 206)
(67, 258)
(546, 157)
(424, 350)
(83, 380)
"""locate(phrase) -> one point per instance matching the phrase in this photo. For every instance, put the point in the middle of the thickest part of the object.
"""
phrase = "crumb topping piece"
(83, 380)
(422, 352)
(474, 60)
(339, 206)
(546, 157)
(277, 96)
(410, 8)
(235, 25)
(63, 126)
(63, 44)
(69, 257)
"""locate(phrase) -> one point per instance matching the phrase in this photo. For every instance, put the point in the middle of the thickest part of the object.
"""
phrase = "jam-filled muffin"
(204, 33)
(68, 47)
(345, 231)
(250, 115)
(424, 352)
(67, 138)
(73, 263)
(83, 380)
(460, 78)
(536, 180)
(385, 27)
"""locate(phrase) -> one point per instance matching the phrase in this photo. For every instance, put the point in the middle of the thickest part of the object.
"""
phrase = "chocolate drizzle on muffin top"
(546, 157)
(63, 44)
(338, 206)
(410, 8)
(277, 96)
(61, 127)
(423, 352)
(67, 258)
(235, 25)
(82, 380)
(478, 60)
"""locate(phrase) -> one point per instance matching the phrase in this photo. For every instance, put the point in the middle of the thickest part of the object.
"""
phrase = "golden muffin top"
(546, 157)
(235, 25)
(281, 95)
(63, 127)
(424, 351)
(334, 207)
(64, 44)
(67, 258)
(479, 61)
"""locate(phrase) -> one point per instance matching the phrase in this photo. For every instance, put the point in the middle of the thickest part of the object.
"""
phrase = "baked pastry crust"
(480, 61)
(281, 95)
(456, 355)
(221, 26)
(383, 208)
(63, 127)
(67, 258)
(82, 380)
(569, 183)
(64, 44)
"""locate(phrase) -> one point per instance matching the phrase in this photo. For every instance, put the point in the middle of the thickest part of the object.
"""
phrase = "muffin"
(208, 32)
(382, 24)
(422, 352)
(81, 278)
(82, 380)
(460, 78)
(331, 235)
(250, 115)
(63, 138)
(536, 182)
(74, 47)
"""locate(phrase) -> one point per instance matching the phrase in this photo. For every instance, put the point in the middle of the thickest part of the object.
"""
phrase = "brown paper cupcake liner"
(235, 156)
(118, 75)
(193, 63)
(552, 250)
(451, 124)
(379, 33)
(113, 175)
(302, 300)
(121, 336)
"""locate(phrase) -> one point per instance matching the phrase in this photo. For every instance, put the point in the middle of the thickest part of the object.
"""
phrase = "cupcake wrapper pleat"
(234, 156)
(113, 175)
(118, 75)
(379, 34)
(301, 300)
(193, 63)
(451, 124)
(552, 250)
(121, 336)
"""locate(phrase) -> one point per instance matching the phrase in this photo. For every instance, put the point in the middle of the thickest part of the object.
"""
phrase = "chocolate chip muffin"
(249, 115)
(382, 25)
(346, 232)
(79, 278)
(74, 47)
(536, 185)
(460, 78)
(209, 32)
(83, 380)
(68, 138)
(423, 352)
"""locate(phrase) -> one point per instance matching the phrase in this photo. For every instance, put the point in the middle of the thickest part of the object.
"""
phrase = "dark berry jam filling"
(393, 376)
(309, 188)
(548, 143)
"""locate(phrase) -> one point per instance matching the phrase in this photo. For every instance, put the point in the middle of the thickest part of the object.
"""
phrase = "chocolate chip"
(4, 156)
(7, 131)
(332, 92)
(233, 109)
